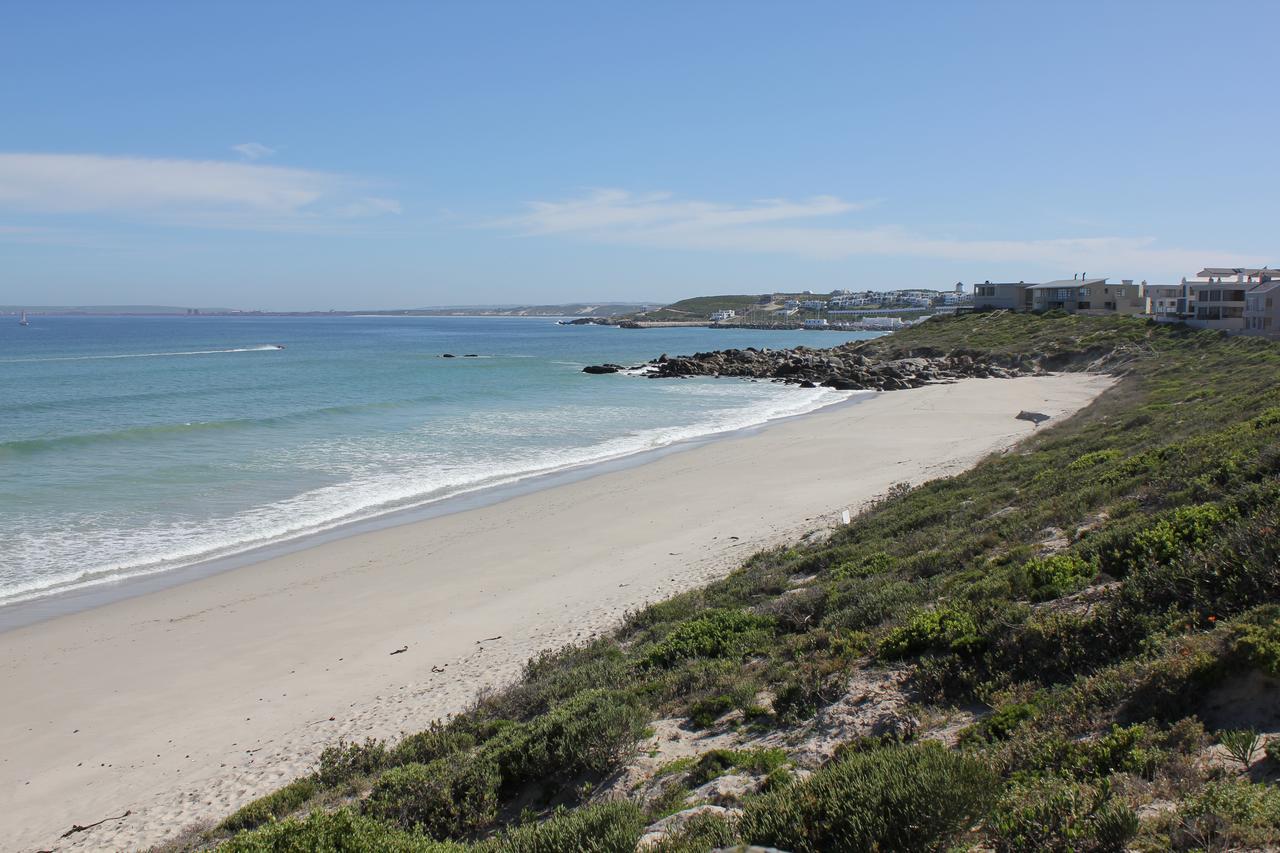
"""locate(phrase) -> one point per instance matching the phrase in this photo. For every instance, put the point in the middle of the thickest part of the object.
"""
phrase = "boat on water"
(23, 321)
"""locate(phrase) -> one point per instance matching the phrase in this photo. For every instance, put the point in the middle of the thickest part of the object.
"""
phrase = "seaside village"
(1232, 299)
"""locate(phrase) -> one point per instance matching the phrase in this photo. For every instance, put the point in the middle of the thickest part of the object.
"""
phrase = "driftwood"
(400, 651)
(78, 828)
(487, 639)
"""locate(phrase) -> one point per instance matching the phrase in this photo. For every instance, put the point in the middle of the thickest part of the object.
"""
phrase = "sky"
(320, 155)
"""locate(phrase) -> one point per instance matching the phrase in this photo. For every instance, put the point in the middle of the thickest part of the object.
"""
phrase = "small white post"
(844, 517)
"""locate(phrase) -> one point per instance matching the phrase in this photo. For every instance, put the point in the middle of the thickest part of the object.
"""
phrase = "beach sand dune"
(181, 705)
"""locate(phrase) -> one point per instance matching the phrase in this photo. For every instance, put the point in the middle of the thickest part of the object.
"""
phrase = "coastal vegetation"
(1074, 645)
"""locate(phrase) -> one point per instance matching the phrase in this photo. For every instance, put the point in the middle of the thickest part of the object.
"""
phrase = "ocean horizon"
(131, 446)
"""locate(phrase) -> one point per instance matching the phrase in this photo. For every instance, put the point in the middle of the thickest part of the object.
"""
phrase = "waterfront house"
(727, 314)
(1012, 296)
(1216, 298)
(1166, 301)
(1088, 296)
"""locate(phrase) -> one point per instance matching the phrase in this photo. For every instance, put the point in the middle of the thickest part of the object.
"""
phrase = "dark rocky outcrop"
(602, 368)
(842, 368)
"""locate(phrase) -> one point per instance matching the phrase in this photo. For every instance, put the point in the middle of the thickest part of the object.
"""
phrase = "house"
(815, 324)
(1166, 301)
(813, 305)
(727, 314)
(1216, 300)
(1012, 296)
(1262, 310)
(1088, 296)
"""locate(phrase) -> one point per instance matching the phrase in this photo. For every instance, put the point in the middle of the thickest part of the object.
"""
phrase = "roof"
(1066, 282)
(1213, 272)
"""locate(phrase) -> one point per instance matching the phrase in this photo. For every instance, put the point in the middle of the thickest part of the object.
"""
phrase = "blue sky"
(323, 155)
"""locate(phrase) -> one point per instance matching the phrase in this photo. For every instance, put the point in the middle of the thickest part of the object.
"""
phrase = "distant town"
(1240, 300)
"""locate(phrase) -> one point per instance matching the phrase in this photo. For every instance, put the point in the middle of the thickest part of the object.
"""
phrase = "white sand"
(183, 704)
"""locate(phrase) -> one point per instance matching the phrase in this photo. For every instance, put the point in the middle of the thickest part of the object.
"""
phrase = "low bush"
(343, 831)
(1061, 815)
(426, 746)
(612, 827)
(942, 629)
(719, 634)
(277, 804)
(1227, 815)
(718, 762)
(1047, 578)
(917, 797)
(451, 797)
(346, 761)
(1257, 641)
(590, 733)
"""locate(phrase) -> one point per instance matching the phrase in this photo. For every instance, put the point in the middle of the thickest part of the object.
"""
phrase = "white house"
(727, 314)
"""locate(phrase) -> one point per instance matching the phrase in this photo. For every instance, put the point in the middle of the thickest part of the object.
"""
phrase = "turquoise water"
(133, 445)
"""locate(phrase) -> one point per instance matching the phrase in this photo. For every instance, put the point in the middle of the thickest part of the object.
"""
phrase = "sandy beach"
(181, 705)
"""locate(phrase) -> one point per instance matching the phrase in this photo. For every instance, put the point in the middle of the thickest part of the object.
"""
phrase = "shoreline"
(183, 704)
(22, 610)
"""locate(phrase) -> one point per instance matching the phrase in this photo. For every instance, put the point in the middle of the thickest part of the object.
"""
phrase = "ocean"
(134, 445)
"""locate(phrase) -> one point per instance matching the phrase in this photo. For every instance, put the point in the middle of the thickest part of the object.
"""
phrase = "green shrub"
(1258, 643)
(590, 733)
(700, 834)
(343, 831)
(1272, 750)
(612, 827)
(917, 797)
(942, 629)
(1060, 815)
(999, 724)
(274, 805)
(1229, 814)
(451, 797)
(705, 712)
(718, 762)
(1047, 578)
(1182, 528)
(719, 634)
(426, 746)
(348, 760)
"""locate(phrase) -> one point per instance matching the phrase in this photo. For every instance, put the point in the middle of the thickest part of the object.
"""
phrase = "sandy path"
(183, 704)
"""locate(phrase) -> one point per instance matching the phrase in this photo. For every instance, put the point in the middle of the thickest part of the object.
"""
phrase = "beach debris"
(76, 827)
(401, 650)
(1036, 418)
(487, 639)
(438, 668)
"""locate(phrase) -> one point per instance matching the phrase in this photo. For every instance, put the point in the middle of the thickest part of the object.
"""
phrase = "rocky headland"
(843, 367)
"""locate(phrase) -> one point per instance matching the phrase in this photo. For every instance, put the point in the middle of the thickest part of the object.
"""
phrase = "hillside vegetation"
(1072, 646)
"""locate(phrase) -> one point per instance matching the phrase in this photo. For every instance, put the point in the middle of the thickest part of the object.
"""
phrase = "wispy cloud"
(205, 193)
(253, 150)
(780, 226)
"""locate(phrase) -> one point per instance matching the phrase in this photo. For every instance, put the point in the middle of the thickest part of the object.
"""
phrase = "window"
(1064, 294)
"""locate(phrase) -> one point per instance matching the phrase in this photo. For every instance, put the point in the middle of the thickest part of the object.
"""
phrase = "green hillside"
(1073, 646)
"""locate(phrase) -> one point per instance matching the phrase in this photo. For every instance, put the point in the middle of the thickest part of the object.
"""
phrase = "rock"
(471, 355)
(448, 355)
(1036, 418)
(602, 368)
(727, 790)
(657, 832)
